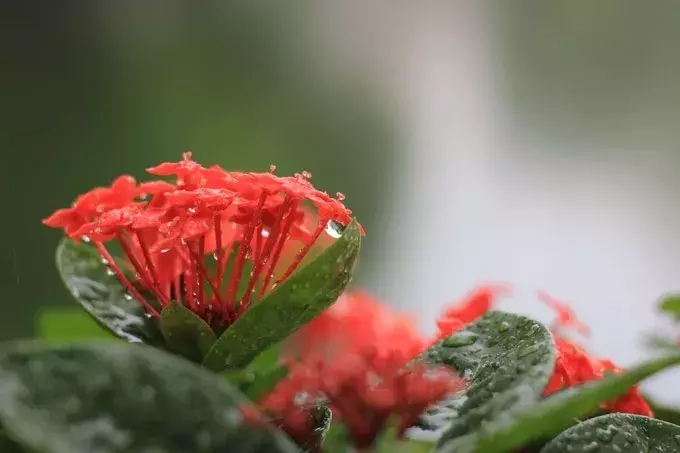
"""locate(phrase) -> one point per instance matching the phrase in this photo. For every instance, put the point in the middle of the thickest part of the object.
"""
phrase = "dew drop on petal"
(334, 229)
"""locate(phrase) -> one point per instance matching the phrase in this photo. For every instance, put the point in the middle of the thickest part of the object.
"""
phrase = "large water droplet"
(334, 229)
(527, 351)
(461, 339)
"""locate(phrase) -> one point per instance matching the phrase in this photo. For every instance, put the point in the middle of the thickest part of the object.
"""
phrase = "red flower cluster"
(573, 364)
(169, 231)
(356, 357)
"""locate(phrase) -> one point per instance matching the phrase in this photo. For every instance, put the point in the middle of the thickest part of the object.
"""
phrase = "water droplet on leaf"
(334, 229)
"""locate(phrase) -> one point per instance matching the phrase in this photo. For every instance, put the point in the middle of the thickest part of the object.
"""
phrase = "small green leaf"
(68, 323)
(509, 359)
(112, 397)
(670, 303)
(553, 414)
(185, 332)
(295, 302)
(618, 433)
(102, 295)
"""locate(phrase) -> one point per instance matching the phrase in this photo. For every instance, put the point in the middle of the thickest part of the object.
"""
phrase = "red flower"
(472, 306)
(357, 356)
(574, 366)
(170, 232)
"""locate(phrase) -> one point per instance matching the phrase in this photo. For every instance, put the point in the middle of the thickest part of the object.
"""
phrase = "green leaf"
(618, 433)
(288, 307)
(664, 412)
(185, 332)
(102, 295)
(553, 414)
(509, 359)
(68, 323)
(112, 397)
(670, 303)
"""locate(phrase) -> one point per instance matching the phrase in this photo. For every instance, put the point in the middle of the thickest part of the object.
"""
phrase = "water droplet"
(86, 238)
(306, 174)
(503, 326)
(163, 251)
(340, 196)
(591, 447)
(272, 168)
(461, 339)
(215, 256)
(334, 229)
(105, 262)
(191, 210)
(604, 435)
(143, 196)
(265, 233)
(110, 272)
(127, 296)
(527, 351)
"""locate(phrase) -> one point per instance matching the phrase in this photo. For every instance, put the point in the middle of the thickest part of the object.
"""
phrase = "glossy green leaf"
(553, 414)
(185, 332)
(509, 360)
(618, 433)
(112, 397)
(289, 306)
(670, 303)
(67, 324)
(102, 295)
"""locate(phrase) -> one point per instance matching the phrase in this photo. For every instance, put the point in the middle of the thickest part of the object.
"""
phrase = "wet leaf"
(112, 397)
(509, 359)
(553, 414)
(618, 433)
(185, 332)
(288, 307)
(102, 295)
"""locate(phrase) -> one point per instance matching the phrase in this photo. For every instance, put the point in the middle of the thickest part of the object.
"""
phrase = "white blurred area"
(485, 194)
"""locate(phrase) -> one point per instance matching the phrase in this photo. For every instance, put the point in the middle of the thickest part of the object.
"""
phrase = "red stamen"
(302, 253)
(124, 280)
(244, 246)
(132, 256)
(163, 298)
(281, 240)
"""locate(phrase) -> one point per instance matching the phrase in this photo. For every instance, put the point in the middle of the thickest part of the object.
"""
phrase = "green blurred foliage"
(93, 90)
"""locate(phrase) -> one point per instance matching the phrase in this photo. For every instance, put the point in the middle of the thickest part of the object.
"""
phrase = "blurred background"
(530, 142)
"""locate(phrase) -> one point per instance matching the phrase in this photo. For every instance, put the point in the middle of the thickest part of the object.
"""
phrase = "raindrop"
(165, 251)
(591, 447)
(105, 262)
(527, 351)
(143, 196)
(127, 297)
(191, 210)
(461, 339)
(265, 233)
(272, 168)
(340, 196)
(334, 229)
(110, 272)
(86, 238)
(604, 435)
(214, 255)
(306, 174)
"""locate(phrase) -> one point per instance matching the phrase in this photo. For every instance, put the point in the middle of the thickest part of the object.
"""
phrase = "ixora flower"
(357, 358)
(212, 240)
(573, 364)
